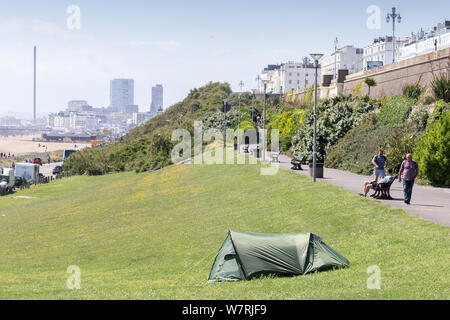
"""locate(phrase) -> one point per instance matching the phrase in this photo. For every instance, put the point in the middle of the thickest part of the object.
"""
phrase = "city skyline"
(186, 49)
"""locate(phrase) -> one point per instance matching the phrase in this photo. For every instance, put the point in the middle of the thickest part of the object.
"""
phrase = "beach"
(20, 145)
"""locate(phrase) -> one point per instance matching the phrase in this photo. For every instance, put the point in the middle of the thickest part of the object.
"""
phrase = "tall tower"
(34, 86)
(157, 99)
(121, 94)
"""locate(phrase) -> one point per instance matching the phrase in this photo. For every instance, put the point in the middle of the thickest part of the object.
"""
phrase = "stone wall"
(391, 78)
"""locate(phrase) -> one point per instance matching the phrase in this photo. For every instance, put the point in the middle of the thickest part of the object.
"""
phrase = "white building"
(424, 42)
(348, 58)
(288, 76)
(380, 52)
(73, 121)
(121, 94)
(157, 99)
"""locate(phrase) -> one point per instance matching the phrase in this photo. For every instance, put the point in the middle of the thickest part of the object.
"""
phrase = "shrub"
(336, 116)
(440, 108)
(398, 146)
(395, 110)
(427, 97)
(413, 90)
(419, 120)
(354, 152)
(433, 151)
(288, 123)
(441, 87)
(356, 91)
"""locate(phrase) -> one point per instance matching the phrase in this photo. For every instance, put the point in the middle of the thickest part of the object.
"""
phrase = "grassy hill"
(155, 236)
(149, 145)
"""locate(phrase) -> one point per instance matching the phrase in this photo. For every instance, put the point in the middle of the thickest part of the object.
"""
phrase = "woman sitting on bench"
(374, 184)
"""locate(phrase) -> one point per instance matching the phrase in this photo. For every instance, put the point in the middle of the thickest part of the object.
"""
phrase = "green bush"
(336, 116)
(399, 144)
(413, 90)
(419, 120)
(356, 91)
(427, 97)
(433, 151)
(288, 123)
(440, 108)
(441, 87)
(395, 110)
(354, 152)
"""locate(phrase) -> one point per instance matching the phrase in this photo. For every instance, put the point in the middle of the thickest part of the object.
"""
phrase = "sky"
(179, 44)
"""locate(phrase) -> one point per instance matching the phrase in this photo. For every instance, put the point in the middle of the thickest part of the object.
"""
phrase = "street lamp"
(316, 57)
(225, 106)
(241, 84)
(393, 16)
(335, 57)
(265, 81)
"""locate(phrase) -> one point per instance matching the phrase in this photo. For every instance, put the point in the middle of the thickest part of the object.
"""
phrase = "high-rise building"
(157, 99)
(121, 94)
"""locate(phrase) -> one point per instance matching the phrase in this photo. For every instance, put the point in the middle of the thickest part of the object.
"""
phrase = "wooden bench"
(382, 191)
(275, 156)
(297, 163)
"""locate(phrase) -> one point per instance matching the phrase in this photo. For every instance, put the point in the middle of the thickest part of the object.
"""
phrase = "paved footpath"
(427, 202)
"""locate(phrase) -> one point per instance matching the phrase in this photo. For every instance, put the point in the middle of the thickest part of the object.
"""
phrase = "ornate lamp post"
(335, 57)
(316, 57)
(241, 84)
(265, 81)
(393, 16)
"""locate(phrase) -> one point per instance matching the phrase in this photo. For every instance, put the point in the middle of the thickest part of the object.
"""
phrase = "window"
(298, 81)
(290, 74)
(298, 74)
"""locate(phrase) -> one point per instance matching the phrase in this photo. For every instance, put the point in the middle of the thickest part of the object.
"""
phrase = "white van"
(27, 171)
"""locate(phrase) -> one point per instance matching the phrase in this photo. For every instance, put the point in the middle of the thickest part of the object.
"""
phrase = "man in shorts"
(373, 184)
(380, 162)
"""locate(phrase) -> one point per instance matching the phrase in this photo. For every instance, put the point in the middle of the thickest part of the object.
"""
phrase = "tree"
(370, 83)
(433, 151)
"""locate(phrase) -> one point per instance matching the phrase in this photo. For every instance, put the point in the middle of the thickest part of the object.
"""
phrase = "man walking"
(410, 170)
(380, 162)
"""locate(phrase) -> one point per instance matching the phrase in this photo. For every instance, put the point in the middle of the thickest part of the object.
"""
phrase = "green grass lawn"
(155, 236)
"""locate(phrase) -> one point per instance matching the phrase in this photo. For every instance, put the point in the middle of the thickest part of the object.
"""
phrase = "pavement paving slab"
(427, 202)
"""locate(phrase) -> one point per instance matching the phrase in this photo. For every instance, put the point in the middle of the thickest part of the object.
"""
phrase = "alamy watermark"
(74, 19)
(374, 20)
(374, 280)
(74, 280)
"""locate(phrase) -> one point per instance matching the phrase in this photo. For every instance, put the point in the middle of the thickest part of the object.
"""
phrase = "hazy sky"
(180, 44)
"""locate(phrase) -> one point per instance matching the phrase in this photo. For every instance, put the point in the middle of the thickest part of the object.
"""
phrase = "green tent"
(244, 256)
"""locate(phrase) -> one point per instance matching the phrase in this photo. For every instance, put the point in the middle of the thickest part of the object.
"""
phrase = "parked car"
(57, 170)
(19, 182)
(37, 161)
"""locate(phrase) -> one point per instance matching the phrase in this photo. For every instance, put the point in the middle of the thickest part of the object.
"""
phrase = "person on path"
(410, 170)
(380, 162)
